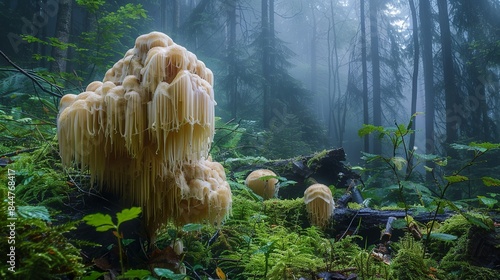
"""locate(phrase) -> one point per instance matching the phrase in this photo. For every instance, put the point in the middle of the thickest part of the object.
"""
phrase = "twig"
(58, 94)
(18, 152)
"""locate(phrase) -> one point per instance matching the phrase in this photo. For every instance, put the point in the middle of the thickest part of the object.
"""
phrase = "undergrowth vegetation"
(261, 239)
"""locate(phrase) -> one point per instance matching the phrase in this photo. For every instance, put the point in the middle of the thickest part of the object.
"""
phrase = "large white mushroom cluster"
(145, 131)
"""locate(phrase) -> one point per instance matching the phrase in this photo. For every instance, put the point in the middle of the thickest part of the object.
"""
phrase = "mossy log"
(324, 167)
(368, 218)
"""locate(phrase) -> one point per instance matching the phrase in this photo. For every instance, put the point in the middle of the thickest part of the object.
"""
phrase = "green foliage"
(370, 268)
(104, 222)
(409, 192)
(491, 182)
(227, 140)
(39, 181)
(40, 247)
(457, 267)
(409, 262)
(103, 45)
(50, 41)
(267, 241)
(291, 255)
(169, 274)
(285, 138)
(288, 213)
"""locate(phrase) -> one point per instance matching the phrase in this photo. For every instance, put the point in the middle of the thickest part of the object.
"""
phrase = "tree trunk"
(231, 59)
(377, 102)
(313, 58)
(63, 29)
(266, 119)
(163, 16)
(414, 80)
(426, 37)
(451, 95)
(177, 14)
(366, 113)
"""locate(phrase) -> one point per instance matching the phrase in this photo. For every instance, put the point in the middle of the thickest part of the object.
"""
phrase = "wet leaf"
(128, 214)
(488, 201)
(192, 227)
(100, 221)
(443, 237)
(456, 178)
(399, 162)
(491, 182)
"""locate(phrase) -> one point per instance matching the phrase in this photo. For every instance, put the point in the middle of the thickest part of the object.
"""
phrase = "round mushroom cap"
(319, 204)
(260, 184)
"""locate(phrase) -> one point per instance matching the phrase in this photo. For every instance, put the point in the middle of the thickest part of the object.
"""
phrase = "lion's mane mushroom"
(319, 204)
(262, 182)
(145, 131)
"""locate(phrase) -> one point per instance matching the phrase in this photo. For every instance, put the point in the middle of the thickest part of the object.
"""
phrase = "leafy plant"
(401, 164)
(105, 42)
(104, 222)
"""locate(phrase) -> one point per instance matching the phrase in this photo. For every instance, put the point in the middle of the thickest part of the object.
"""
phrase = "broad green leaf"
(427, 168)
(399, 224)
(359, 168)
(192, 227)
(370, 157)
(367, 129)
(100, 221)
(475, 221)
(34, 212)
(399, 162)
(491, 182)
(284, 182)
(419, 188)
(126, 242)
(485, 145)
(402, 130)
(456, 178)
(136, 273)
(441, 161)
(169, 274)
(94, 275)
(488, 201)
(476, 148)
(266, 249)
(425, 156)
(443, 236)
(128, 214)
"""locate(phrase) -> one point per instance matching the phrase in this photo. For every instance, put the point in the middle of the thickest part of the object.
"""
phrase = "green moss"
(39, 177)
(290, 213)
(409, 262)
(354, 205)
(40, 248)
(317, 156)
(457, 267)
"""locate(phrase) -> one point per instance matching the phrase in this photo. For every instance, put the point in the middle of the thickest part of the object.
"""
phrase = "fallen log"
(368, 218)
(324, 167)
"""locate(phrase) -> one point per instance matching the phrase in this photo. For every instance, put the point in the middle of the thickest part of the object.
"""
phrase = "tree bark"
(426, 37)
(366, 113)
(377, 102)
(231, 58)
(63, 29)
(414, 80)
(450, 91)
(266, 98)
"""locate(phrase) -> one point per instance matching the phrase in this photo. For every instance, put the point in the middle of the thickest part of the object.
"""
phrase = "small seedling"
(104, 222)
